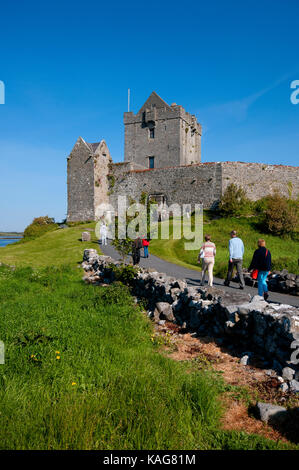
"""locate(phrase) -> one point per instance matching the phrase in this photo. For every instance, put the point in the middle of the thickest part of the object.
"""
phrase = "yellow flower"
(58, 357)
(74, 383)
(57, 352)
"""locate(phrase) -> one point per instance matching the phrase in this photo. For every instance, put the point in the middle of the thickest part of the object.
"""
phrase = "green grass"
(285, 252)
(62, 246)
(110, 387)
(81, 370)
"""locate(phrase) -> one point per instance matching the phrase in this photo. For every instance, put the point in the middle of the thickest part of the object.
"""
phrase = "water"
(7, 241)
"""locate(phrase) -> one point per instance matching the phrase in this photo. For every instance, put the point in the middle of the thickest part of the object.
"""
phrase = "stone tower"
(87, 169)
(160, 135)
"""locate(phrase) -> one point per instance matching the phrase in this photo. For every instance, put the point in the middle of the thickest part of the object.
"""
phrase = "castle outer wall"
(259, 179)
(204, 183)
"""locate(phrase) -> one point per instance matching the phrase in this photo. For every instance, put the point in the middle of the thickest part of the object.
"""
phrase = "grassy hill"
(81, 370)
(62, 246)
(285, 252)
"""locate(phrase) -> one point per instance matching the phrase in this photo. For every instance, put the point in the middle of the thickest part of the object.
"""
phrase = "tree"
(234, 202)
(281, 215)
(123, 247)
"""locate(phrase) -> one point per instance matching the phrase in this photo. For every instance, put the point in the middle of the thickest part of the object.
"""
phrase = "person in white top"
(207, 254)
(103, 232)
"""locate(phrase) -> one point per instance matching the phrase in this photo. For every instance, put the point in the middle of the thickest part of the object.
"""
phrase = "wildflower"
(57, 352)
(58, 357)
(74, 383)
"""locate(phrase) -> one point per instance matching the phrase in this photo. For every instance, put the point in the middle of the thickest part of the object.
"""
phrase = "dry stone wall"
(248, 326)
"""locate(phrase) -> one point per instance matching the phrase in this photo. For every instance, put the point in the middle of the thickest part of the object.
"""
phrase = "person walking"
(261, 261)
(103, 232)
(207, 256)
(145, 244)
(236, 253)
(136, 247)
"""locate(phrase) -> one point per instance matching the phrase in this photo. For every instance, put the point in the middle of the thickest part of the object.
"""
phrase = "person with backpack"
(261, 262)
(207, 256)
(145, 244)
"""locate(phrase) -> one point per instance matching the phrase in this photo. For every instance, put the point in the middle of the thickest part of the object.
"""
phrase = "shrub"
(79, 222)
(39, 226)
(116, 294)
(281, 215)
(125, 273)
(234, 202)
(261, 205)
(122, 246)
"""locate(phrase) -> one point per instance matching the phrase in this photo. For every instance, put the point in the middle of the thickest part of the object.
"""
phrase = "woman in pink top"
(207, 254)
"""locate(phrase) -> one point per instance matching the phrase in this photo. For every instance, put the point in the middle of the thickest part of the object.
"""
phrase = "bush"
(261, 205)
(281, 215)
(39, 227)
(234, 202)
(78, 222)
(125, 273)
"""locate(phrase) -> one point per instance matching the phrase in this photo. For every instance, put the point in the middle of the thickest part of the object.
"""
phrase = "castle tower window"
(151, 162)
(152, 133)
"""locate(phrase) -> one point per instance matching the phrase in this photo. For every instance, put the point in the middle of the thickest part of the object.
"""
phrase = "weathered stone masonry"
(191, 184)
(172, 137)
(205, 182)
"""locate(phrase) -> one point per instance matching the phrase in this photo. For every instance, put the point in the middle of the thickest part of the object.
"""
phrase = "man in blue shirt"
(236, 252)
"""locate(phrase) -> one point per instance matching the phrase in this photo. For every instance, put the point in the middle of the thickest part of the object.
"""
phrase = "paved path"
(193, 277)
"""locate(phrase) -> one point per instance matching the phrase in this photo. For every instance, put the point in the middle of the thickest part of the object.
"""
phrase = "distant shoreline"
(11, 238)
(8, 235)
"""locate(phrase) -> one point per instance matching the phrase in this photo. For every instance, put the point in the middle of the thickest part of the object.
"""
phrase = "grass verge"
(285, 252)
(81, 370)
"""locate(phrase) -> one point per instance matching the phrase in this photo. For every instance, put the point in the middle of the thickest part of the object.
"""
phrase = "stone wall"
(93, 179)
(260, 179)
(251, 327)
(193, 184)
(102, 162)
(204, 182)
(80, 183)
(88, 166)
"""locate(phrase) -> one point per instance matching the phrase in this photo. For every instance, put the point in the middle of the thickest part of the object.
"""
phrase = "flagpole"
(128, 100)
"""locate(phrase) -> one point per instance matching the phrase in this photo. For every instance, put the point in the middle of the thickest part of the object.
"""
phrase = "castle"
(163, 159)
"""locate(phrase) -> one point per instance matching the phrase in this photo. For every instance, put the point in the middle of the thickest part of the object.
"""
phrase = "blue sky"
(67, 66)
